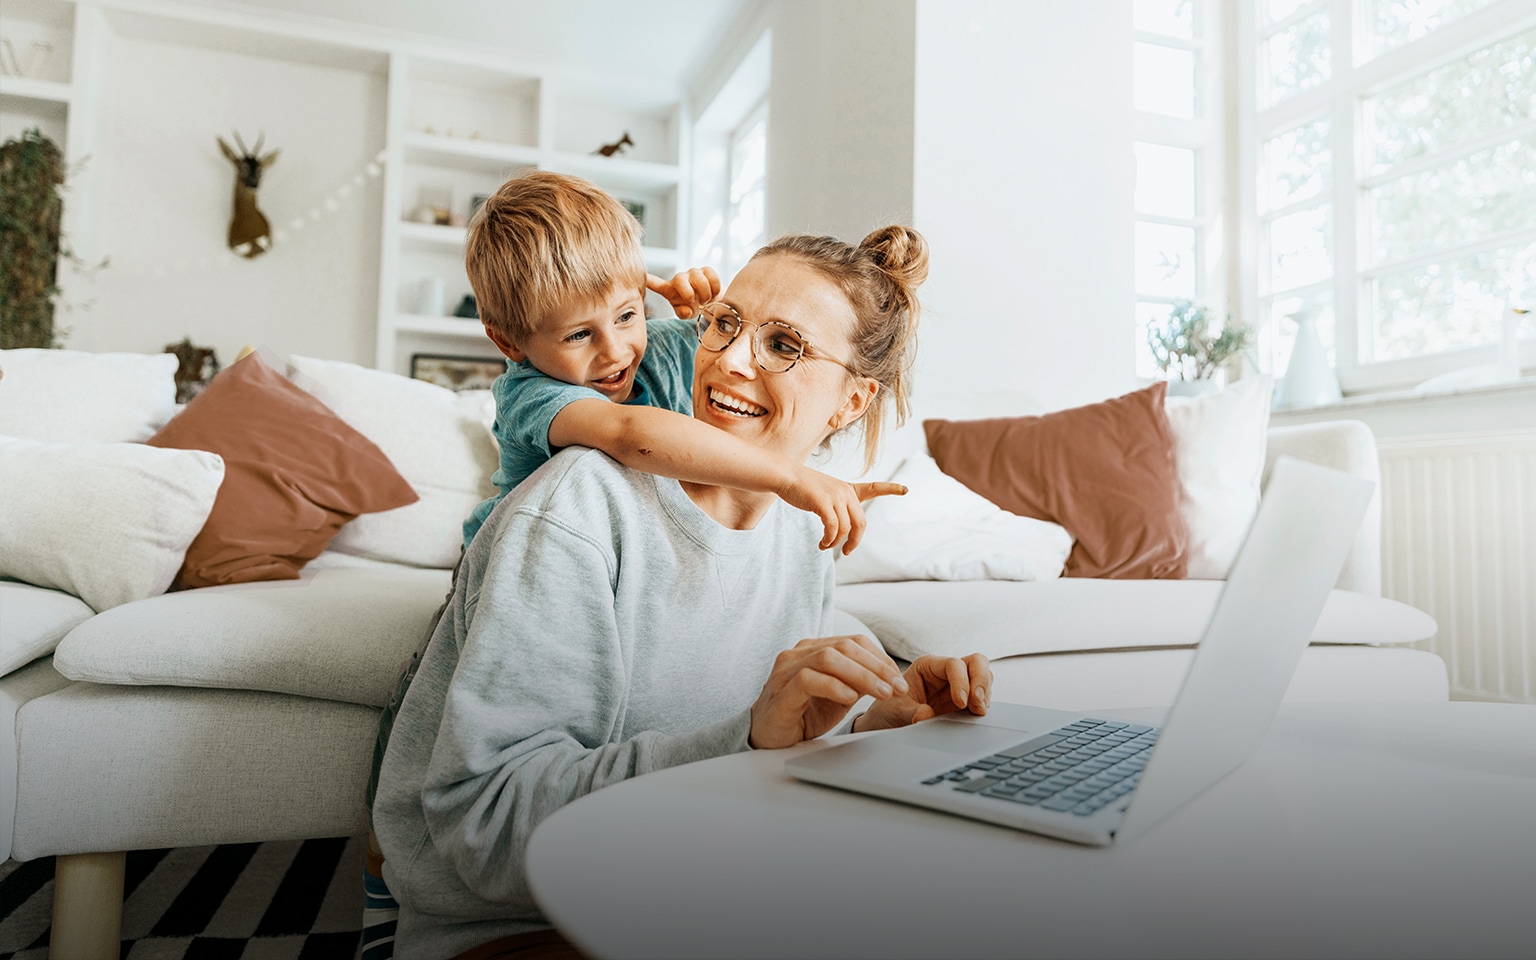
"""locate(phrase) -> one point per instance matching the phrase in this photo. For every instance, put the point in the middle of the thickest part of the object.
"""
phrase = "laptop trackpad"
(952, 736)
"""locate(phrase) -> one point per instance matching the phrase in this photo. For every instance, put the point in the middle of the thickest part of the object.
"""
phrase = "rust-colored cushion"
(294, 472)
(1106, 472)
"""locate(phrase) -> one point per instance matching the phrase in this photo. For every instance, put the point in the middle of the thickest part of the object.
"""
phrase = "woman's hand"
(814, 683)
(688, 290)
(935, 686)
(836, 502)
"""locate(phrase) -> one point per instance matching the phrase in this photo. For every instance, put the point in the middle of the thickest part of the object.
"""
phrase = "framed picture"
(636, 209)
(457, 373)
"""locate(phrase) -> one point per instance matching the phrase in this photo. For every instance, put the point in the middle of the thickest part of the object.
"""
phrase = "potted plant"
(1191, 352)
(31, 171)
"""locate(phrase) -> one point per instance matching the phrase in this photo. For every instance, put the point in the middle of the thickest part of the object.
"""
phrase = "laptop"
(1097, 781)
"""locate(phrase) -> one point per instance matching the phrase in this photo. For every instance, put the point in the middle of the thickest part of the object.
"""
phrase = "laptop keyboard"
(1078, 768)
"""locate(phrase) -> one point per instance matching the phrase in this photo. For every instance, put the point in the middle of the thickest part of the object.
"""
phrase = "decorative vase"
(1193, 388)
(1309, 380)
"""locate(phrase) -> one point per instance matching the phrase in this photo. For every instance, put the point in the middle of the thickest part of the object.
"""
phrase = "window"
(729, 177)
(1176, 129)
(1391, 177)
(746, 229)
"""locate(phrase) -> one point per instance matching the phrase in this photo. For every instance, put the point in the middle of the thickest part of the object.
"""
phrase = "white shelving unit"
(457, 120)
(51, 98)
(461, 127)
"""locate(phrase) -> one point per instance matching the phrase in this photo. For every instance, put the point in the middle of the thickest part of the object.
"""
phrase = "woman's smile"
(733, 406)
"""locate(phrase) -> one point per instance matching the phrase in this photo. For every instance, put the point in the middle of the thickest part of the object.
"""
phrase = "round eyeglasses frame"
(710, 313)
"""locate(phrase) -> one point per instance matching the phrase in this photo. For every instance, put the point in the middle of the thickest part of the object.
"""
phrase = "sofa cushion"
(1006, 619)
(337, 633)
(294, 473)
(70, 396)
(1105, 471)
(1151, 678)
(107, 522)
(440, 441)
(33, 622)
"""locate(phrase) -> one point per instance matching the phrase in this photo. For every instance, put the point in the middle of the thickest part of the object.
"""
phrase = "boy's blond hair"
(544, 241)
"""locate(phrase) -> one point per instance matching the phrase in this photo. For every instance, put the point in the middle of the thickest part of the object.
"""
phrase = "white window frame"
(758, 114)
(1342, 99)
(1203, 134)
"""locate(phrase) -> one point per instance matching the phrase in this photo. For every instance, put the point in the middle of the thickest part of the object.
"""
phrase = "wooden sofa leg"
(87, 906)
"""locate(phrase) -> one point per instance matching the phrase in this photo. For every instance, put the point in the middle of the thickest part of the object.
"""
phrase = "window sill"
(1404, 413)
(1395, 397)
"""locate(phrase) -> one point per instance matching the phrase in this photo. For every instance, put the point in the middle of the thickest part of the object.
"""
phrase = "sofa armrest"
(1346, 445)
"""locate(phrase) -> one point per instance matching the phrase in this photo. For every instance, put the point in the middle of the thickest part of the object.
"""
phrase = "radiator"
(1459, 542)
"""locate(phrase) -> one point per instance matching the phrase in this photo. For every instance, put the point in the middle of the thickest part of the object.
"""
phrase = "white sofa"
(247, 712)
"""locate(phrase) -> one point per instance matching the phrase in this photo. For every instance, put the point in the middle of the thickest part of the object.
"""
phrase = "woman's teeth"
(734, 405)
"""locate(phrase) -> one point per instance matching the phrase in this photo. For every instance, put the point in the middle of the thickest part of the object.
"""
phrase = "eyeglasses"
(776, 346)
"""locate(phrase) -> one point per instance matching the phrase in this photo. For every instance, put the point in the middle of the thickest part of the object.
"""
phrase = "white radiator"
(1459, 542)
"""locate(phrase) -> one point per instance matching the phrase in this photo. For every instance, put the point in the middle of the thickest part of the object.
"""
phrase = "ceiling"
(657, 40)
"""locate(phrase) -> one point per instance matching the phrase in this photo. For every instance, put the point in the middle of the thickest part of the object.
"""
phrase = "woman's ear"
(858, 403)
(507, 347)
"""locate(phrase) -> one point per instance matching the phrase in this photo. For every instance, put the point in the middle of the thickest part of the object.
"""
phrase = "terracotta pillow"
(1106, 472)
(294, 472)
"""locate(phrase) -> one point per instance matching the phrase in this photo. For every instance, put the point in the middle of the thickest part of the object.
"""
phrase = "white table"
(1381, 830)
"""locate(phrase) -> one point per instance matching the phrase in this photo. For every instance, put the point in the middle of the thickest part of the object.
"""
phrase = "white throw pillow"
(941, 530)
(1219, 441)
(107, 522)
(440, 441)
(68, 396)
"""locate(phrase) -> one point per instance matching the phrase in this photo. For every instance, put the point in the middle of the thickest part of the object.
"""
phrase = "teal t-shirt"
(527, 401)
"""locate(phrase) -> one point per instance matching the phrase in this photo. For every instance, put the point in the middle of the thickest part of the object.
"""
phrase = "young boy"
(559, 280)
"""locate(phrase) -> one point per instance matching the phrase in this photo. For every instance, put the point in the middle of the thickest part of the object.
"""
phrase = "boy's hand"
(836, 502)
(688, 290)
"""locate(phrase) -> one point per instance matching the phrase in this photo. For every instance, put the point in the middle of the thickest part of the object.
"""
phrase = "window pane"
(1396, 22)
(1297, 165)
(1148, 315)
(1296, 59)
(1165, 260)
(1493, 88)
(1172, 18)
(749, 160)
(1283, 314)
(1487, 192)
(1301, 248)
(1165, 180)
(745, 233)
(1455, 304)
(1165, 80)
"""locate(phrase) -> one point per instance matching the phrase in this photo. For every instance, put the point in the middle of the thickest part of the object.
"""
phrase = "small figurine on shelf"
(195, 367)
(616, 147)
(467, 308)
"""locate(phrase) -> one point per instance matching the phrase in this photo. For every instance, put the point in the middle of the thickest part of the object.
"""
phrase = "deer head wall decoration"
(250, 235)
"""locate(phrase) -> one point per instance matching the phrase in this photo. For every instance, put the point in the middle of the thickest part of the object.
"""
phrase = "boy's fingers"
(656, 284)
(869, 491)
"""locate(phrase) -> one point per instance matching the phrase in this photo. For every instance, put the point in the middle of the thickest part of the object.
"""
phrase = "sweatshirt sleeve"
(533, 703)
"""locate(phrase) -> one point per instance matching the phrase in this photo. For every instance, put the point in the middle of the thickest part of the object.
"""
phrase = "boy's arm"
(675, 445)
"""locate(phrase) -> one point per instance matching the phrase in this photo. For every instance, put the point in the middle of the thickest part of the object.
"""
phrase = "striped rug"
(283, 900)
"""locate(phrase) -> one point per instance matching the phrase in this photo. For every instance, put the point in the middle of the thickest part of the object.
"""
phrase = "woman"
(616, 622)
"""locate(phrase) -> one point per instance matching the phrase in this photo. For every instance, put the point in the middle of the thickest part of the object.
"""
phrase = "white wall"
(1023, 183)
(164, 193)
(840, 117)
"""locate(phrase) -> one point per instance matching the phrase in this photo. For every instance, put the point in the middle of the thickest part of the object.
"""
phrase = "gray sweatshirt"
(603, 627)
